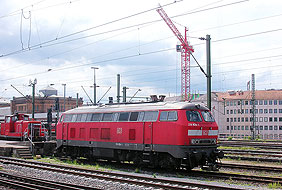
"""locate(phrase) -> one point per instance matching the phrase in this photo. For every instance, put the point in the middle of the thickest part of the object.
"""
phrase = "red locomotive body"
(175, 134)
(19, 127)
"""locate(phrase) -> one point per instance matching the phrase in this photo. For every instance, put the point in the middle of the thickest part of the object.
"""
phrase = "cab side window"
(193, 116)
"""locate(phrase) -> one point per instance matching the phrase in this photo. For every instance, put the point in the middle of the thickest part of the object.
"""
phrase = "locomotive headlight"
(213, 141)
(195, 141)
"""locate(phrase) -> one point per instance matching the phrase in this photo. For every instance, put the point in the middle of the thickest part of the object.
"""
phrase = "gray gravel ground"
(74, 179)
(67, 178)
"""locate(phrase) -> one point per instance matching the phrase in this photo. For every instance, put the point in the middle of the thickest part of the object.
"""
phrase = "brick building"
(42, 104)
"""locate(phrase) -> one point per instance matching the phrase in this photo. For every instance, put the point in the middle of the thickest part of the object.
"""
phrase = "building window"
(235, 127)
(242, 119)
(251, 119)
(227, 120)
(239, 102)
(265, 110)
(227, 111)
(265, 102)
(246, 119)
(227, 103)
(265, 119)
(270, 111)
(265, 128)
(275, 127)
(261, 128)
(275, 102)
(231, 119)
(251, 111)
(256, 111)
(275, 110)
(261, 119)
(239, 111)
(260, 111)
(231, 103)
(275, 119)
(238, 127)
(235, 120)
(256, 102)
(280, 110)
(242, 111)
(246, 102)
(234, 111)
(238, 119)
(280, 102)
(280, 119)
(251, 102)
(246, 127)
(231, 111)
(270, 119)
(270, 102)
(231, 128)
(234, 103)
(280, 127)
(256, 119)
(270, 127)
(242, 127)
(260, 102)
(227, 128)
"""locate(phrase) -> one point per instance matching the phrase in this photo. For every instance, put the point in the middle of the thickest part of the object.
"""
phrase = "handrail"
(31, 145)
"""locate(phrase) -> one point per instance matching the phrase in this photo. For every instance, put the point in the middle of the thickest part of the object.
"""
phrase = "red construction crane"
(186, 50)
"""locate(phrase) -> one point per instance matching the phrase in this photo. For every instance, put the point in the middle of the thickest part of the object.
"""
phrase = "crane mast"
(186, 50)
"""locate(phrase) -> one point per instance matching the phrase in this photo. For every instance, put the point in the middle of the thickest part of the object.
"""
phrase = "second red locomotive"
(162, 134)
(19, 127)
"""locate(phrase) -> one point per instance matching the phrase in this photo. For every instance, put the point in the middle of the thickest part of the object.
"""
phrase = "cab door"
(148, 135)
(65, 134)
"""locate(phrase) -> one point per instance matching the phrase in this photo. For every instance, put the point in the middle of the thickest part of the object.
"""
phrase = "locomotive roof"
(137, 107)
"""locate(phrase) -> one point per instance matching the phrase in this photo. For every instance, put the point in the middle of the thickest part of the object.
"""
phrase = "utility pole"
(118, 88)
(32, 84)
(94, 86)
(208, 46)
(64, 97)
(124, 94)
(253, 108)
(77, 100)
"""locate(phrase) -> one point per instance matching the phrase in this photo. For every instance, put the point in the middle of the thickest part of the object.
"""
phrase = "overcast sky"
(58, 41)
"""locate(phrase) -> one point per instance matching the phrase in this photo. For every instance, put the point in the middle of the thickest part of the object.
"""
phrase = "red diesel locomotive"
(162, 134)
(19, 127)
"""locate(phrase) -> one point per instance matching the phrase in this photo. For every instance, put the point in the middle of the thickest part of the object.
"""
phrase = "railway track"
(254, 144)
(253, 155)
(117, 177)
(22, 182)
(251, 167)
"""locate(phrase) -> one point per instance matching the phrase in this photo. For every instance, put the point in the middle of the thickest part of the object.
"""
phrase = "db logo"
(119, 130)
(205, 132)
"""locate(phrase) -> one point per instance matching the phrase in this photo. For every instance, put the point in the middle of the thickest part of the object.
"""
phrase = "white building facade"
(238, 117)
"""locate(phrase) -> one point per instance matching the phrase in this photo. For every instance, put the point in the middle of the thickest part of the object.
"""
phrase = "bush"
(229, 138)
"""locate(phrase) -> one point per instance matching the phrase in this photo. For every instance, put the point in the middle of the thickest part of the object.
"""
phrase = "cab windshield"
(207, 116)
(193, 116)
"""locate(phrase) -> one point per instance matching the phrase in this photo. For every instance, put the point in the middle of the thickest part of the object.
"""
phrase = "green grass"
(238, 148)
(274, 186)
(75, 163)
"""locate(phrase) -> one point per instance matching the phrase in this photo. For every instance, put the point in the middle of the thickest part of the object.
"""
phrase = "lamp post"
(94, 91)
(64, 97)
(32, 84)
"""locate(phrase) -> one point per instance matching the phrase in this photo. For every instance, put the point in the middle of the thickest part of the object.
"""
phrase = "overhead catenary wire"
(40, 45)
(146, 53)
